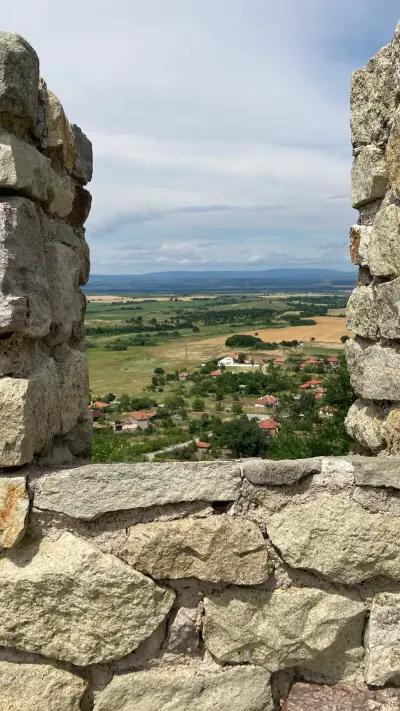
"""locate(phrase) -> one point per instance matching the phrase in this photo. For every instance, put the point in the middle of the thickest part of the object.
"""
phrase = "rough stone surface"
(362, 312)
(374, 370)
(69, 601)
(320, 697)
(83, 167)
(359, 241)
(382, 659)
(73, 385)
(19, 80)
(29, 414)
(14, 506)
(220, 549)
(279, 472)
(373, 99)
(384, 471)
(59, 143)
(387, 296)
(368, 176)
(24, 170)
(33, 687)
(281, 629)
(384, 243)
(81, 207)
(238, 689)
(365, 424)
(336, 537)
(393, 154)
(129, 486)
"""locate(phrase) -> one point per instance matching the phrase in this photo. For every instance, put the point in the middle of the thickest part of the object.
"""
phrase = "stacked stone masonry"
(237, 586)
(373, 313)
(44, 260)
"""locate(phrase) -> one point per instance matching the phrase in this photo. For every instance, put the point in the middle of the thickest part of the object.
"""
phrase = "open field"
(130, 371)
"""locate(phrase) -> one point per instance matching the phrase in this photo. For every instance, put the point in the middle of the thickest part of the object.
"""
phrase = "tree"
(159, 371)
(237, 408)
(242, 437)
(198, 404)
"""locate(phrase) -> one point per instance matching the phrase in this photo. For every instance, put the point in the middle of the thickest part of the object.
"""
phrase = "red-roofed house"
(267, 401)
(202, 445)
(270, 426)
(183, 376)
(215, 373)
(140, 418)
(99, 405)
(319, 393)
(310, 385)
(280, 360)
(333, 361)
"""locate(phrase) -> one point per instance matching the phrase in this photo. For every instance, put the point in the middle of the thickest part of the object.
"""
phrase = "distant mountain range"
(187, 282)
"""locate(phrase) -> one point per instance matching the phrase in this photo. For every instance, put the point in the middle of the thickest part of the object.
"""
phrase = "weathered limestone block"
(24, 170)
(285, 628)
(30, 687)
(25, 302)
(57, 231)
(362, 312)
(19, 80)
(359, 241)
(221, 549)
(334, 536)
(384, 243)
(59, 143)
(83, 167)
(68, 600)
(81, 207)
(384, 471)
(321, 697)
(73, 385)
(382, 640)
(387, 299)
(393, 154)
(368, 176)
(63, 269)
(365, 424)
(238, 689)
(374, 370)
(14, 507)
(279, 472)
(130, 486)
(29, 414)
(373, 99)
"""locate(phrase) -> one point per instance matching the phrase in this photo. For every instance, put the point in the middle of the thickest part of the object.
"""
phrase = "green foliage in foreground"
(111, 446)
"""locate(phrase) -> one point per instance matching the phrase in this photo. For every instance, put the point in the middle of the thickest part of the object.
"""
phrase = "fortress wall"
(373, 311)
(239, 586)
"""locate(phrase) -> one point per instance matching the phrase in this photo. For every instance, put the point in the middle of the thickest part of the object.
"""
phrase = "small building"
(215, 373)
(99, 405)
(183, 376)
(226, 361)
(280, 360)
(333, 361)
(310, 384)
(202, 445)
(97, 415)
(327, 411)
(270, 426)
(139, 419)
(319, 393)
(267, 401)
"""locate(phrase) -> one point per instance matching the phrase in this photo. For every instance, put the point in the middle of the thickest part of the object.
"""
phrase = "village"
(184, 414)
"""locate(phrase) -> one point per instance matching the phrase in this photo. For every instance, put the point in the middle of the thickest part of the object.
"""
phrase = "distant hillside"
(187, 282)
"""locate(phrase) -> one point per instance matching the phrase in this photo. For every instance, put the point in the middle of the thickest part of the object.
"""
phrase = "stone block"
(59, 142)
(321, 697)
(67, 600)
(393, 154)
(280, 629)
(362, 312)
(73, 385)
(34, 686)
(384, 242)
(29, 414)
(387, 299)
(63, 270)
(382, 640)
(81, 207)
(26, 171)
(219, 549)
(19, 81)
(279, 472)
(25, 303)
(188, 689)
(359, 241)
(334, 536)
(382, 471)
(83, 167)
(14, 507)
(374, 370)
(365, 424)
(373, 99)
(368, 176)
(138, 485)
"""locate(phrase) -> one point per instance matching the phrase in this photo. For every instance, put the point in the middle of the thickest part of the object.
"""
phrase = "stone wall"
(44, 259)
(374, 307)
(235, 586)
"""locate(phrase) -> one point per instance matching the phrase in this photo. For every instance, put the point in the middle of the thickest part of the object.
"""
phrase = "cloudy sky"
(220, 127)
